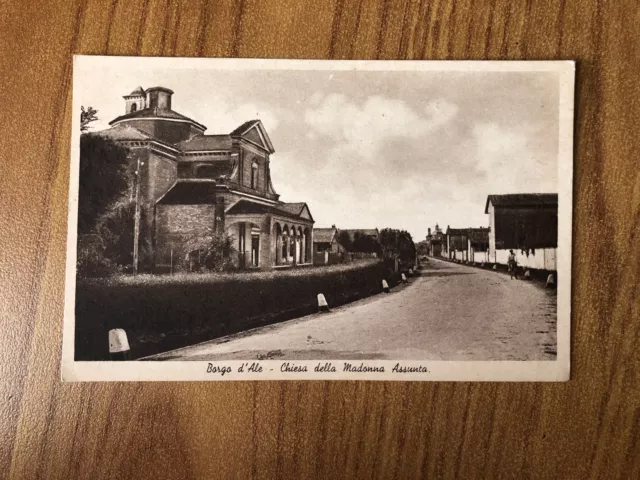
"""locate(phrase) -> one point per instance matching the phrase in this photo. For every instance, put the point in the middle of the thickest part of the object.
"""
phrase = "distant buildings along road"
(526, 223)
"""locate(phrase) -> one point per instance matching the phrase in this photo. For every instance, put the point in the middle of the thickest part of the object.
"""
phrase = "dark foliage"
(162, 316)
(364, 243)
(345, 240)
(103, 179)
(211, 252)
(397, 243)
(109, 249)
(86, 117)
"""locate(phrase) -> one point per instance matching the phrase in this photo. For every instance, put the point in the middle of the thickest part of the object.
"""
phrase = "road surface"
(450, 312)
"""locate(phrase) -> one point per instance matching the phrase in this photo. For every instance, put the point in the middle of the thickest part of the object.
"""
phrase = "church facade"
(191, 185)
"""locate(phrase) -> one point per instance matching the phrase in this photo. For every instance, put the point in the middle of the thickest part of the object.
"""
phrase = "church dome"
(138, 91)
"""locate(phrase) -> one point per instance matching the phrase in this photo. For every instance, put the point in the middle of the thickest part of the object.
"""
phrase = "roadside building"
(190, 185)
(434, 241)
(457, 243)
(526, 223)
(466, 244)
(478, 245)
(327, 248)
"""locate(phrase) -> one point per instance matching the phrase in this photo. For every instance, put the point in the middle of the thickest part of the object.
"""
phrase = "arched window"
(254, 175)
(134, 107)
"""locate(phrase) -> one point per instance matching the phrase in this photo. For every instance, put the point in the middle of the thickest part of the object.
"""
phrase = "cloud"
(223, 114)
(361, 130)
(507, 161)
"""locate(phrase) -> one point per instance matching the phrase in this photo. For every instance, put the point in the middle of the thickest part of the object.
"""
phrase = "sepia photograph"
(293, 219)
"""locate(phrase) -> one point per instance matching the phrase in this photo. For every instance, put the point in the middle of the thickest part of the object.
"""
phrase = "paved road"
(451, 312)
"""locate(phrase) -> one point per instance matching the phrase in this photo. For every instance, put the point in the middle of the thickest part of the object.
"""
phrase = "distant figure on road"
(513, 264)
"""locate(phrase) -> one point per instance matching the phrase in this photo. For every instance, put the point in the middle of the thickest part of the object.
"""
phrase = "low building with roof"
(466, 244)
(456, 243)
(526, 223)
(191, 185)
(327, 248)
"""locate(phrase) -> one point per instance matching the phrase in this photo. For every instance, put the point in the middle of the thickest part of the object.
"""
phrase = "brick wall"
(177, 223)
(248, 158)
(162, 173)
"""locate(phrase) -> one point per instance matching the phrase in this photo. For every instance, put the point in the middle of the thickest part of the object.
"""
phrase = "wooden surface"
(586, 428)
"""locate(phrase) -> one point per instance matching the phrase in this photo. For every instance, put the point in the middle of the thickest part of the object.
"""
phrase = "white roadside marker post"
(551, 281)
(404, 278)
(118, 344)
(411, 272)
(323, 306)
(385, 287)
(527, 275)
(495, 267)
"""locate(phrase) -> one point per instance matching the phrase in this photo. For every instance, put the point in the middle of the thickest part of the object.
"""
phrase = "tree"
(345, 240)
(364, 243)
(86, 117)
(109, 247)
(104, 179)
(211, 252)
(397, 243)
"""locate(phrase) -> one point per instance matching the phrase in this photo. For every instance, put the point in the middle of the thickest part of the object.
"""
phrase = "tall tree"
(104, 179)
(397, 243)
(86, 117)
(364, 243)
(345, 240)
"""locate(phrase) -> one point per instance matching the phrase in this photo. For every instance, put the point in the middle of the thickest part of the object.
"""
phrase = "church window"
(134, 107)
(254, 175)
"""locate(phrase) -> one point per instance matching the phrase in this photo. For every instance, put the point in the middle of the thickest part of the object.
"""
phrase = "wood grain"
(586, 428)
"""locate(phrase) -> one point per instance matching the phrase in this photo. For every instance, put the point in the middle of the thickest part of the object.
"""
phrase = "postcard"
(253, 219)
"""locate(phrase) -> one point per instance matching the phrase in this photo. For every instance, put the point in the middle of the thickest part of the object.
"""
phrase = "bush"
(212, 252)
(160, 313)
(108, 249)
(91, 260)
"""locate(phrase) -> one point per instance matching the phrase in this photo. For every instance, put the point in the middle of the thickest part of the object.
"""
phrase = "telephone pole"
(136, 220)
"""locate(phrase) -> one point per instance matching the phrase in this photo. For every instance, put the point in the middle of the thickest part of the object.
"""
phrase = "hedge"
(163, 313)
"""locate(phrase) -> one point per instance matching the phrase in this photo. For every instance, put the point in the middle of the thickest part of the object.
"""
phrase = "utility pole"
(136, 220)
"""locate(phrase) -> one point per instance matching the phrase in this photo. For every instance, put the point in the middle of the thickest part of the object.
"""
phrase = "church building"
(189, 184)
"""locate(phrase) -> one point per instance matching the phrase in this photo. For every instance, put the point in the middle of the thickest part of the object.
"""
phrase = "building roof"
(242, 129)
(205, 143)
(124, 133)
(246, 207)
(157, 113)
(137, 92)
(522, 200)
(294, 208)
(127, 133)
(192, 191)
(457, 231)
(161, 89)
(324, 235)
(478, 235)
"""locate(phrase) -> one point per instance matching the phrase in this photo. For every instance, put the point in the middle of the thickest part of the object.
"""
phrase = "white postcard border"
(552, 370)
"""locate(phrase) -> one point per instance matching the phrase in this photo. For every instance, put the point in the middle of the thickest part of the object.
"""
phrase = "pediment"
(255, 133)
(305, 213)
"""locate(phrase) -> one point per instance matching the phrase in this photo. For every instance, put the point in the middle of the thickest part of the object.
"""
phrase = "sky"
(365, 149)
